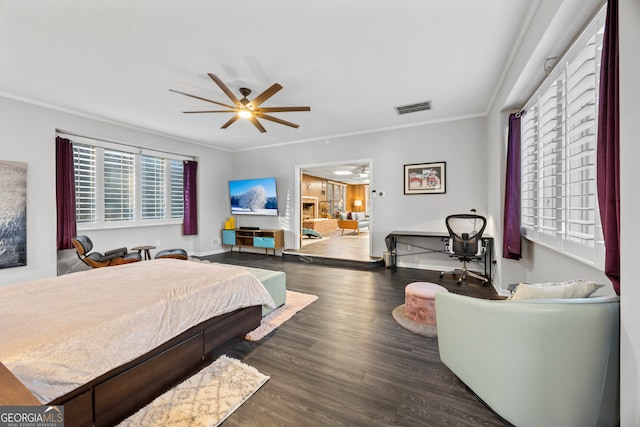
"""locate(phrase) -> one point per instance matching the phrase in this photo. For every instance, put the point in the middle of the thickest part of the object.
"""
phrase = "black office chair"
(465, 242)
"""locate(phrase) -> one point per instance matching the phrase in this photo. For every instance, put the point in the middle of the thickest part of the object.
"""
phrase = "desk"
(144, 249)
(487, 258)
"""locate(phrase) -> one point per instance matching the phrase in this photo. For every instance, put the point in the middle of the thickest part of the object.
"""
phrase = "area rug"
(400, 316)
(205, 399)
(295, 302)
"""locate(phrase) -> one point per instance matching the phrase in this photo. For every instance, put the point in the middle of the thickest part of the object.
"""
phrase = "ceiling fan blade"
(230, 121)
(272, 90)
(257, 124)
(225, 89)
(277, 120)
(283, 109)
(202, 99)
(210, 111)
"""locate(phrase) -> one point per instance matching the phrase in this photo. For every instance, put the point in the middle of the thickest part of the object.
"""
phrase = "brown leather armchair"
(83, 245)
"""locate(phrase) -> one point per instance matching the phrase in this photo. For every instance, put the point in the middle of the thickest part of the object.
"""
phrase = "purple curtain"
(512, 243)
(190, 225)
(65, 194)
(608, 151)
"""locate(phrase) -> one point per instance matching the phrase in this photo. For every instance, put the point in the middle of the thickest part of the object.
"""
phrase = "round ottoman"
(419, 302)
(172, 253)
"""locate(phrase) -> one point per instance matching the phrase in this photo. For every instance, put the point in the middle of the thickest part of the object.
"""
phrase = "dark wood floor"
(344, 361)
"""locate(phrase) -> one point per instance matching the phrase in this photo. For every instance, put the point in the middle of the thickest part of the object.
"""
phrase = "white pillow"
(554, 290)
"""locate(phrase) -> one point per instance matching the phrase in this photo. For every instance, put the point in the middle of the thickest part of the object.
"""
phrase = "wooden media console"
(262, 239)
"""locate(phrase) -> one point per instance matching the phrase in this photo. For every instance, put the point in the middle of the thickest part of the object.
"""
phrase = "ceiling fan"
(244, 108)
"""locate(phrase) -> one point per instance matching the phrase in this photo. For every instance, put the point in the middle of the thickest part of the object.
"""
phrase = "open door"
(327, 194)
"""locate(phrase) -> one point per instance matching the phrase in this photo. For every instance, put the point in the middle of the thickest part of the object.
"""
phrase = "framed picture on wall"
(13, 214)
(425, 178)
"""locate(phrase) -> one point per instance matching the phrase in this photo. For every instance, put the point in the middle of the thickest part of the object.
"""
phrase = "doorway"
(328, 194)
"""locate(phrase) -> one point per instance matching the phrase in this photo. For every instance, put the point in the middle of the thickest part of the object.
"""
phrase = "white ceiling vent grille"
(412, 108)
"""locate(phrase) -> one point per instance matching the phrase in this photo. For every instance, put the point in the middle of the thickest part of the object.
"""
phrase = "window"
(153, 187)
(177, 189)
(336, 193)
(120, 186)
(84, 160)
(558, 135)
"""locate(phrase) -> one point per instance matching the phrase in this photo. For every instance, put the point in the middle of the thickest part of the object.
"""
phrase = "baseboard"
(207, 253)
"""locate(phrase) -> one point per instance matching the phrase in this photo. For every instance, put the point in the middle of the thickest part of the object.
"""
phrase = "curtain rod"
(558, 58)
(60, 132)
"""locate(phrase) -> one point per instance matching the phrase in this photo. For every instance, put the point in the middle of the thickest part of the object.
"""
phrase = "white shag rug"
(295, 301)
(205, 399)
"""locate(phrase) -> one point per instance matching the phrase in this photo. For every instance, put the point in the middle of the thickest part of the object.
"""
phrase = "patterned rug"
(205, 399)
(295, 302)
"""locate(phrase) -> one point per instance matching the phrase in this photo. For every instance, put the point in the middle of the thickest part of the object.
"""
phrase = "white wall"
(630, 206)
(461, 144)
(28, 136)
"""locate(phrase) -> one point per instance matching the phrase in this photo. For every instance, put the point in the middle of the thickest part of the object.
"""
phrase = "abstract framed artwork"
(425, 178)
(13, 214)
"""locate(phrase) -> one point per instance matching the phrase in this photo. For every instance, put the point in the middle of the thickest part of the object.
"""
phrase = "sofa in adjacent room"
(353, 221)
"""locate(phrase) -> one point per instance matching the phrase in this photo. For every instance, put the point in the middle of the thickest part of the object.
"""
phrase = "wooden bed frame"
(119, 393)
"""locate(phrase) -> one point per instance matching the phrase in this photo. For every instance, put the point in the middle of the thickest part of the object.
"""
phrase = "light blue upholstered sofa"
(536, 362)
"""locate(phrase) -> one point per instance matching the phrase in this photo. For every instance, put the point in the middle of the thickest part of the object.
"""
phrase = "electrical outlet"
(216, 241)
(157, 243)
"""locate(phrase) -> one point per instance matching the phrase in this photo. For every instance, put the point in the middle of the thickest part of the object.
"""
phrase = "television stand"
(254, 238)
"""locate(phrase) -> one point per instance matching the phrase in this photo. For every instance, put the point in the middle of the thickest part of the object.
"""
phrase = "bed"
(105, 342)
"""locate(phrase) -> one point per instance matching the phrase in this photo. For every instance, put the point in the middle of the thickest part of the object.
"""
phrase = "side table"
(144, 249)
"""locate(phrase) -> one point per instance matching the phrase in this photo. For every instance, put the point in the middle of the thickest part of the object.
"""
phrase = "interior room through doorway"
(335, 211)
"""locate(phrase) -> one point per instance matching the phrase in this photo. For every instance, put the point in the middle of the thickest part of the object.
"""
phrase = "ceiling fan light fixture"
(245, 108)
(245, 114)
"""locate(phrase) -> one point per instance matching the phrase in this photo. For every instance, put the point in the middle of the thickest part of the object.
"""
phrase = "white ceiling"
(356, 172)
(351, 61)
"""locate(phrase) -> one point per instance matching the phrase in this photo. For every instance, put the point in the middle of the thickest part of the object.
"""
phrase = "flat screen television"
(253, 197)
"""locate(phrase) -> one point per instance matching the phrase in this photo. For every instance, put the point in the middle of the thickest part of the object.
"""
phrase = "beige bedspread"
(57, 334)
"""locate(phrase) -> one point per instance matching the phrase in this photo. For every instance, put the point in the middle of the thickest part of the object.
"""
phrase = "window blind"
(84, 159)
(176, 195)
(558, 153)
(581, 143)
(529, 165)
(153, 179)
(119, 186)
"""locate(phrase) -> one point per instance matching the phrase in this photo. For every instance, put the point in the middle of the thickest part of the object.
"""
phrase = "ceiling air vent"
(412, 108)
